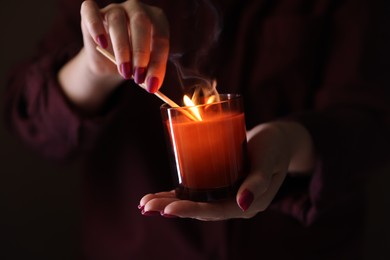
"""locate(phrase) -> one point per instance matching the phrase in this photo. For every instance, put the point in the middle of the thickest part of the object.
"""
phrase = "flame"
(194, 110)
(200, 96)
(211, 99)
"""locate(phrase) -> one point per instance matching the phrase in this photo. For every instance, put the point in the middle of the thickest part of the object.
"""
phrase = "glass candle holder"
(208, 156)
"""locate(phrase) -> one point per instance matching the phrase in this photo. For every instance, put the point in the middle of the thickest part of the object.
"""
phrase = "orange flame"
(211, 99)
(201, 96)
(194, 110)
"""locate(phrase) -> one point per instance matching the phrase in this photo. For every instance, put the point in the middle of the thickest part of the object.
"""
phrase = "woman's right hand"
(138, 36)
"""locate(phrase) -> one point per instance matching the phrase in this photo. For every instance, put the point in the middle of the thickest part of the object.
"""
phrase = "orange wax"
(210, 153)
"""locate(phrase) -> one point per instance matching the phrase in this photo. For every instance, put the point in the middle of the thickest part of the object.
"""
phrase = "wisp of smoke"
(191, 79)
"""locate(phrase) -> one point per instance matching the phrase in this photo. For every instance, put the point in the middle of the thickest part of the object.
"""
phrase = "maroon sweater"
(322, 63)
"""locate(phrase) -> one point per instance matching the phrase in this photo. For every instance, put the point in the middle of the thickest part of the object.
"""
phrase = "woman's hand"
(273, 149)
(137, 35)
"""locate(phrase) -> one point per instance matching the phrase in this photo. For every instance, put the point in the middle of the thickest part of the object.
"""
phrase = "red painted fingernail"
(139, 75)
(167, 215)
(150, 213)
(152, 84)
(245, 200)
(102, 41)
(126, 70)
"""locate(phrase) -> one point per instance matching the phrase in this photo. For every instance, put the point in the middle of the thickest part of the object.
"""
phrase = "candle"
(208, 155)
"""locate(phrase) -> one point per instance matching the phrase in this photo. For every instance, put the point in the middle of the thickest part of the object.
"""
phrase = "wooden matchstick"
(160, 95)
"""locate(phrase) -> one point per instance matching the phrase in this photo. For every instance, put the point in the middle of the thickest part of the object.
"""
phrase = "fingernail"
(126, 70)
(245, 200)
(167, 215)
(102, 41)
(150, 213)
(141, 207)
(152, 84)
(139, 75)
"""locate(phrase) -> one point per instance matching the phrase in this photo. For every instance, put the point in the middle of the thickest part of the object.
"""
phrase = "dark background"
(39, 201)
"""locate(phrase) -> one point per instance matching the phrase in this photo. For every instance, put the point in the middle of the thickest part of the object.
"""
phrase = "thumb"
(257, 191)
(253, 187)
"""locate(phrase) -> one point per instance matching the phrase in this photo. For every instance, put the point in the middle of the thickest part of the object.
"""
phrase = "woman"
(313, 106)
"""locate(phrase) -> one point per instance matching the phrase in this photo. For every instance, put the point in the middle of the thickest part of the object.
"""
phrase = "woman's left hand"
(273, 148)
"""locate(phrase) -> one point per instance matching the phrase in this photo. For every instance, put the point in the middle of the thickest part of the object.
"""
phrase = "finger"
(118, 29)
(159, 49)
(253, 187)
(167, 194)
(157, 204)
(93, 22)
(141, 27)
(262, 162)
(148, 197)
(274, 186)
(204, 211)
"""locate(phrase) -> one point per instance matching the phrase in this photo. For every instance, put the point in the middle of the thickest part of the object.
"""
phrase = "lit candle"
(208, 154)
